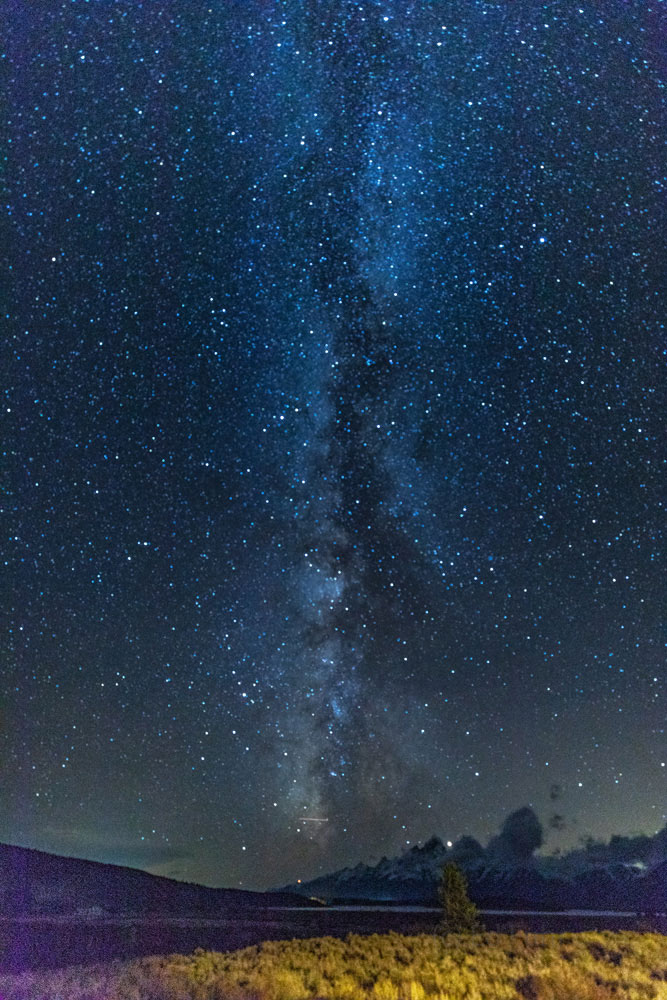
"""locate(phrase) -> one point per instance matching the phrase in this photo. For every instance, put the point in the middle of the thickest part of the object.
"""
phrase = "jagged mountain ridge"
(529, 883)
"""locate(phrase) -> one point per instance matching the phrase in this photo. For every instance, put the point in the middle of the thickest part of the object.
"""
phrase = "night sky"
(334, 395)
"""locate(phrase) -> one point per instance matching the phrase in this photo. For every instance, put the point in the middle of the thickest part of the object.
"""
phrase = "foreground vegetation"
(586, 966)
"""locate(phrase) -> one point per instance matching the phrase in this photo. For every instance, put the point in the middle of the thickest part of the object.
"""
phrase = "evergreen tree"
(460, 915)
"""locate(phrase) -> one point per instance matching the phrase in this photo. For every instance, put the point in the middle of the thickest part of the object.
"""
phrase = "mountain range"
(629, 873)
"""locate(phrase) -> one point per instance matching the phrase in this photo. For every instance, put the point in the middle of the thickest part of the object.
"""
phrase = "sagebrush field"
(586, 966)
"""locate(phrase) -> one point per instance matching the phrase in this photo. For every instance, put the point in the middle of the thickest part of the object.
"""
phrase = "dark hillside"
(34, 882)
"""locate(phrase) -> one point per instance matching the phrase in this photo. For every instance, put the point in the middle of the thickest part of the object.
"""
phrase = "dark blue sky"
(334, 430)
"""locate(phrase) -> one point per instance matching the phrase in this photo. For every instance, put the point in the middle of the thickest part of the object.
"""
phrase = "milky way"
(335, 396)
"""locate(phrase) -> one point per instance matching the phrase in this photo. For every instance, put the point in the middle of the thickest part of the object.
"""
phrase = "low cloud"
(520, 836)
(557, 822)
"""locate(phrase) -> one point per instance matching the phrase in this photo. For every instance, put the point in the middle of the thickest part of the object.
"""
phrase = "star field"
(333, 428)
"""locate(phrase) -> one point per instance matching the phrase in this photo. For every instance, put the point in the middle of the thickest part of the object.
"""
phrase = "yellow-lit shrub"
(384, 989)
(597, 966)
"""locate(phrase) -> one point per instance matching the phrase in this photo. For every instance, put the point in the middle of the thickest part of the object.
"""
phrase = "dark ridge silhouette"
(37, 883)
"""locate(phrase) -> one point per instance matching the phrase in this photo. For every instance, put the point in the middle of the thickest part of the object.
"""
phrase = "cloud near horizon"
(97, 845)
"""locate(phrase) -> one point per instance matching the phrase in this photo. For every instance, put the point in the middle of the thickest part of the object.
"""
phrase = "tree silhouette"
(460, 915)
